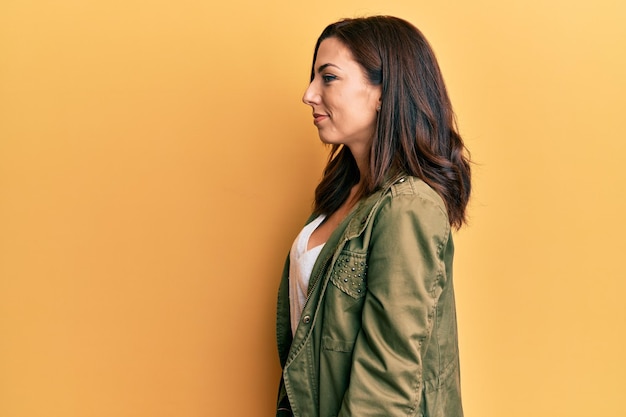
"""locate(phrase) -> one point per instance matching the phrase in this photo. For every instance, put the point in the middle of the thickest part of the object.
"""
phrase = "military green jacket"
(378, 335)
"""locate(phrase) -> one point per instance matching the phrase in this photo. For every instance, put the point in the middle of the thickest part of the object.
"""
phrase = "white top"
(301, 263)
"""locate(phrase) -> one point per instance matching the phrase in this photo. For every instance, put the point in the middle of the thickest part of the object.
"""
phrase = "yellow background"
(156, 162)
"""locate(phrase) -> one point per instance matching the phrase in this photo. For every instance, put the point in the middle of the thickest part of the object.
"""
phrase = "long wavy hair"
(416, 132)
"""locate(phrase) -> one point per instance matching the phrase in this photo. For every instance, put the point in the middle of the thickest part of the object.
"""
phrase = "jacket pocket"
(349, 274)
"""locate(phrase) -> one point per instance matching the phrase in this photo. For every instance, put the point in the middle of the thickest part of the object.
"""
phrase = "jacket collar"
(364, 209)
(353, 225)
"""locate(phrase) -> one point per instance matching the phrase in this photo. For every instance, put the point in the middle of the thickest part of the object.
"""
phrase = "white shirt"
(301, 263)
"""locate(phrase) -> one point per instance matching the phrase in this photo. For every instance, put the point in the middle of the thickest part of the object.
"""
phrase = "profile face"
(343, 100)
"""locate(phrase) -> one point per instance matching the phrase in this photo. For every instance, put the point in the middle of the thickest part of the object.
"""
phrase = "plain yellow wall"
(156, 161)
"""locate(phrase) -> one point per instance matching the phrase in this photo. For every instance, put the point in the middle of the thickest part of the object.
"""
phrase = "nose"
(311, 95)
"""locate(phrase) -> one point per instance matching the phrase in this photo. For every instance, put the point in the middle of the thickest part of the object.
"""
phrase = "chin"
(329, 141)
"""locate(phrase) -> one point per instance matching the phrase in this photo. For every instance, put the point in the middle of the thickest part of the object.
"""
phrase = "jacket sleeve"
(406, 274)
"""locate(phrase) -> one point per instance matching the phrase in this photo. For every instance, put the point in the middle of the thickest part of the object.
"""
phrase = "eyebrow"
(323, 67)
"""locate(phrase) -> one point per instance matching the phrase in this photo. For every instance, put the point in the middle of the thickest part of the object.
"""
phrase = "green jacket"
(378, 332)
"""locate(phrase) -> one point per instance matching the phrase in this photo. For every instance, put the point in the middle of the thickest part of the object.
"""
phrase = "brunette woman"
(366, 315)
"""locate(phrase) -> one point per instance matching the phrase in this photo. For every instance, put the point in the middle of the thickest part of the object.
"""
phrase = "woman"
(366, 317)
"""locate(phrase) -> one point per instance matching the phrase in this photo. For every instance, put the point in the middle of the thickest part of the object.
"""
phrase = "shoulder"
(413, 188)
(413, 195)
(410, 206)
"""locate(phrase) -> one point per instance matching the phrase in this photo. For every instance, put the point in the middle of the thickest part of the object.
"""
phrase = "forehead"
(333, 51)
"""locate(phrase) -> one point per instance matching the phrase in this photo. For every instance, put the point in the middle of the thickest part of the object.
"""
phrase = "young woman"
(366, 320)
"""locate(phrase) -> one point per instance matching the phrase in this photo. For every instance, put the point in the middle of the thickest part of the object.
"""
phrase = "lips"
(318, 117)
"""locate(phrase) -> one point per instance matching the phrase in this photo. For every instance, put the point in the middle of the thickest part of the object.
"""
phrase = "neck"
(361, 156)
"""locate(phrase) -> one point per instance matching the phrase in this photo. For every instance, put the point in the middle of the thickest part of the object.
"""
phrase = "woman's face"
(343, 100)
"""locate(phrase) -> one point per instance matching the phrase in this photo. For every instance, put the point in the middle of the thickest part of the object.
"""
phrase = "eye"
(328, 78)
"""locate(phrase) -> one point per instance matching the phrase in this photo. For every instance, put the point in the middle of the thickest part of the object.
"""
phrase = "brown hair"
(416, 132)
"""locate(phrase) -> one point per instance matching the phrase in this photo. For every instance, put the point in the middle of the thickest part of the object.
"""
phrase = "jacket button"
(306, 319)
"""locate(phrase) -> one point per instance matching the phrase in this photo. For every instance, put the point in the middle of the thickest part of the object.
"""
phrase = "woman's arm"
(406, 275)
